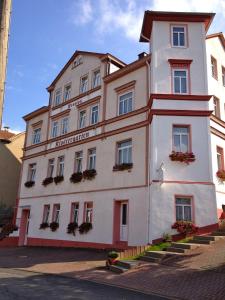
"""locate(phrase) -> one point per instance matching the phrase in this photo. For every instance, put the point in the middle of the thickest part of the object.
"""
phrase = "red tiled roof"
(6, 135)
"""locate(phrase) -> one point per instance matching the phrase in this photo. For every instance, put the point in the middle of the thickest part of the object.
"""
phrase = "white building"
(125, 121)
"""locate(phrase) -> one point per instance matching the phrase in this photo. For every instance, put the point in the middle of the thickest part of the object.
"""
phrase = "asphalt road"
(22, 285)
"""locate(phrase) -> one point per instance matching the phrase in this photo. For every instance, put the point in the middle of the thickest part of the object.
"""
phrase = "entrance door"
(24, 227)
(124, 221)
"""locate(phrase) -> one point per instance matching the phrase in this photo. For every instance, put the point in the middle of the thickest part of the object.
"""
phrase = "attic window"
(78, 61)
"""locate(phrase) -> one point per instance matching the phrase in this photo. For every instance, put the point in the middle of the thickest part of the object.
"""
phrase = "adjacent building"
(129, 148)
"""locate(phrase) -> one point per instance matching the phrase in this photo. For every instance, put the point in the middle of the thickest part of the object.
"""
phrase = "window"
(96, 78)
(50, 167)
(77, 61)
(91, 159)
(223, 76)
(180, 81)
(82, 119)
(57, 100)
(220, 158)
(88, 212)
(216, 104)
(60, 166)
(46, 213)
(178, 34)
(124, 155)
(94, 114)
(183, 209)
(181, 135)
(55, 129)
(84, 84)
(78, 161)
(67, 92)
(36, 136)
(64, 125)
(56, 212)
(32, 172)
(214, 67)
(125, 103)
(75, 212)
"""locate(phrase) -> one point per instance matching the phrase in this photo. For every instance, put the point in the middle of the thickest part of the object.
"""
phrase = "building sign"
(74, 138)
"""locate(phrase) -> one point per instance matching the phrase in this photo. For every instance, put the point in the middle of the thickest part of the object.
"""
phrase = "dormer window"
(178, 36)
(78, 61)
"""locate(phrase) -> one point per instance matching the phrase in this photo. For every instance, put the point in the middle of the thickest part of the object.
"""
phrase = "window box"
(85, 227)
(54, 226)
(186, 157)
(122, 167)
(71, 228)
(221, 174)
(76, 177)
(47, 181)
(44, 225)
(185, 227)
(89, 174)
(29, 184)
(58, 179)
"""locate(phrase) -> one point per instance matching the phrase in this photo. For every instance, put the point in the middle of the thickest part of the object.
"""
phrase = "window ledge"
(123, 167)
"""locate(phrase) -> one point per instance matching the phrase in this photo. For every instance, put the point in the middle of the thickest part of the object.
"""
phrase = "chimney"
(141, 55)
(6, 128)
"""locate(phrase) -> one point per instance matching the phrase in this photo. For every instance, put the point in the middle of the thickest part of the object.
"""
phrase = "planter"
(184, 227)
(221, 174)
(85, 227)
(71, 228)
(54, 226)
(89, 174)
(44, 225)
(76, 177)
(112, 258)
(123, 167)
(58, 179)
(182, 157)
(29, 184)
(47, 181)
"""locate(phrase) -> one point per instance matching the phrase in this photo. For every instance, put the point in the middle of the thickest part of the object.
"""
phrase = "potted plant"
(185, 157)
(221, 174)
(58, 179)
(112, 258)
(44, 225)
(121, 167)
(76, 177)
(185, 227)
(47, 181)
(89, 174)
(29, 184)
(167, 237)
(71, 228)
(85, 227)
(54, 226)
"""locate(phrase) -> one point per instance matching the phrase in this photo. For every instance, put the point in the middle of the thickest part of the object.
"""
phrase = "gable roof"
(151, 16)
(217, 35)
(36, 113)
(102, 56)
(5, 135)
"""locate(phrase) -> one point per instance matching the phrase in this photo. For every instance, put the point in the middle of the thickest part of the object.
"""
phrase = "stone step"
(117, 269)
(129, 264)
(184, 245)
(151, 259)
(205, 237)
(157, 254)
(177, 250)
(202, 242)
(218, 233)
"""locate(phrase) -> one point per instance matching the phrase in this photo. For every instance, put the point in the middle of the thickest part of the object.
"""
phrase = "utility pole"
(5, 12)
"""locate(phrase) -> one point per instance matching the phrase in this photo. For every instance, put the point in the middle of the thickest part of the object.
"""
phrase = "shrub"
(71, 228)
(122, 167)
(44, 225)
(85, 227)
(89, 174)
(76, 177)
(185, 227)
(54, 226)
(29, 184)
(47, 181)
(221, 174)
(7, 229)
(58, 179)
(113, 254)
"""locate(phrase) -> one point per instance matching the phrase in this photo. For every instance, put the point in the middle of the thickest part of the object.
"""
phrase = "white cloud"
(126, 16)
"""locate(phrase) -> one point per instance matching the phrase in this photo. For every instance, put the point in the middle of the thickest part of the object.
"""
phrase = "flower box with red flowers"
(58, 179)
(185, 157)
(76, 177)
(29, 184)
(47, 181)
(221, 174)
(185, 227)
(122, 167)
(89, 174)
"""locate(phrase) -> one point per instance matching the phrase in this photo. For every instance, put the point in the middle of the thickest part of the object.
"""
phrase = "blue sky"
(45, 33)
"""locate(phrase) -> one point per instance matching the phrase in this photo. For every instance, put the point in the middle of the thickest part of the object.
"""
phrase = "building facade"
(127, 148)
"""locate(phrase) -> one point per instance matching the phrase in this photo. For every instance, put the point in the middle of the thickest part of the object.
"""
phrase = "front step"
(128, 264)
(184, 245)
(177, 250)
(202, 242)
(117, 269)
(206, 237)
(151, 259)
(219, 233)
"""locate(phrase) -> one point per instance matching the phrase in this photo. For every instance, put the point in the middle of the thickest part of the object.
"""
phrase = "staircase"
(122, 266)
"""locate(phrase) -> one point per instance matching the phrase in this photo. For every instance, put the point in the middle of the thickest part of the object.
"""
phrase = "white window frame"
(32, 171)
(180, 85)
(214, 67)
(46, 213)
(36, 136)
(183, 208)
(92, 158)
(75, 212)
(180, 138)
(82, 119)
(57, 92)
(56, 213)
(66, 94)
(61, 165)
(83, 85)
(78, 161)
(55, 129)
(65, 125)
(123, 149)
(51, 166)
(96, 81)
(185, 36)
(88, 212)
(94, 119)
(126, 99)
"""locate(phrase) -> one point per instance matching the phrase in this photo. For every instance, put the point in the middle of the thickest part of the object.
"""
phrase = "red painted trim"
(9, 242)
(178, 62)
(72, 208)
(54, 210)
(63, 243)
(189, 135)
(85, 209)
(217, 120)
(182, 66)
(23, 226)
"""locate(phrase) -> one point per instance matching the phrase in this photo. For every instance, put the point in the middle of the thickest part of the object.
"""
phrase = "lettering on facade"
(75, 103)
(72, 139)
